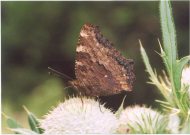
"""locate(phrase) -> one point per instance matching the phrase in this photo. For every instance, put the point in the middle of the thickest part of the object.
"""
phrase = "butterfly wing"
(100, 69)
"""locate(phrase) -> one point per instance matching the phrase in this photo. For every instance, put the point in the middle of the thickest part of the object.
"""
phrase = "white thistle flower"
(141, 120)
(186, 75)
(173, 124)
(185, 78)
(79, 115)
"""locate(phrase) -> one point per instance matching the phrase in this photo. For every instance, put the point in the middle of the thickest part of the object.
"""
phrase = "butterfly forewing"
(99, 68)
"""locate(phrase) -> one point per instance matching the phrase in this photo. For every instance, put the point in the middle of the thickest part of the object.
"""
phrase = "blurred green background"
(36, 35)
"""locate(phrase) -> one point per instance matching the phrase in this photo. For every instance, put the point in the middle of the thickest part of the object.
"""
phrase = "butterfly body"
(99, 68)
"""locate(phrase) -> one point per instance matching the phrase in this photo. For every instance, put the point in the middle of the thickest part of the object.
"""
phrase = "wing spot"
(83, 34)
(78, 63)
(80, 48)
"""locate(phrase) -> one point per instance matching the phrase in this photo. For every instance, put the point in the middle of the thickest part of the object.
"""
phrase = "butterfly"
(100, 69)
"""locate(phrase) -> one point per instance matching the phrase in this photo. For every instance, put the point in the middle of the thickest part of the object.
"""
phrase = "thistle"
(173, 84)
(142, 120)
(79, 115)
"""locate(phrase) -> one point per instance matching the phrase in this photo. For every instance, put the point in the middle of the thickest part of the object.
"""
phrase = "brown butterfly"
(99, 68)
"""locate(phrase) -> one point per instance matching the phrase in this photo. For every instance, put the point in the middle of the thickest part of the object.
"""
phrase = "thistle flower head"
(186, 75)
(185, 78)
(141, 120)
(173, 124)
(79, 115)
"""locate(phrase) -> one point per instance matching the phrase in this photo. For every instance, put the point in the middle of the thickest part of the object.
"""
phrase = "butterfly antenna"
(59, 74)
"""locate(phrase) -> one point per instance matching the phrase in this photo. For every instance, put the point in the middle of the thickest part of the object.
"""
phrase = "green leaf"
(33, 122)
(12, 123)
(153, 76)
(164, 57)
(146, 61)
(168, 33)
(178, 71)
(174, 67)
(121, 108)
